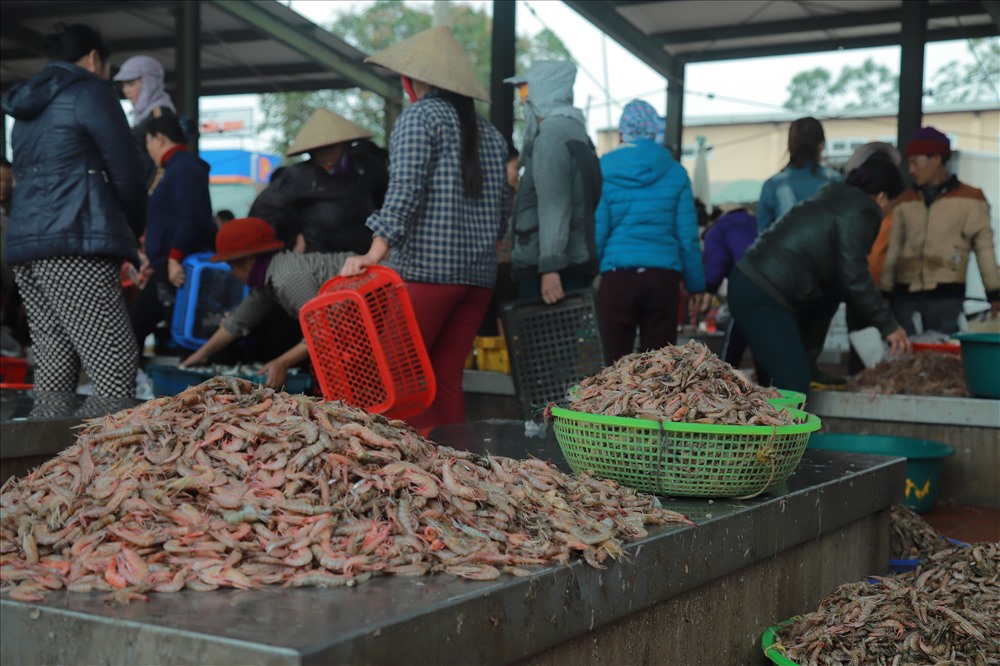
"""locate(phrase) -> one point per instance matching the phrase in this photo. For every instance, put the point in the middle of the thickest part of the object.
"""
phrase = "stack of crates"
(210, 291)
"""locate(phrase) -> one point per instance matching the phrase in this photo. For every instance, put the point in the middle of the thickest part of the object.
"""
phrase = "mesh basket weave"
(208, 293)
(682, 459)
(366, 346)
(552, 347)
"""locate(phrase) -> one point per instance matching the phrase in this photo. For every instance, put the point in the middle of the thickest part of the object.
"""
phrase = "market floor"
(970, 524)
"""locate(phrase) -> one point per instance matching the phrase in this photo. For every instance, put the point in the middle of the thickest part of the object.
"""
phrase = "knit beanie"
(928, 141)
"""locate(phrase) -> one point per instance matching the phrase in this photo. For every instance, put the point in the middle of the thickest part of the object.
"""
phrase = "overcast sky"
(738, 86)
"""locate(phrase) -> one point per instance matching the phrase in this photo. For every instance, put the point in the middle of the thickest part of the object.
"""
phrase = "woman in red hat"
(278, 279)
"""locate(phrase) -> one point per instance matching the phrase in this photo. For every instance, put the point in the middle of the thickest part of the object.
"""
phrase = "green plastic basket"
(774, 650)
(682, 459)
(789, 399)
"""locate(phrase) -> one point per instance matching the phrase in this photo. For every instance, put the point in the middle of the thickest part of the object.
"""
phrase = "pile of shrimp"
(687, 384)
(232, 485)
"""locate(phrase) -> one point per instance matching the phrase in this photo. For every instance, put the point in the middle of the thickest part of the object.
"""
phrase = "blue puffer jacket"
(646, 217)
(80, 188)
(180, 210)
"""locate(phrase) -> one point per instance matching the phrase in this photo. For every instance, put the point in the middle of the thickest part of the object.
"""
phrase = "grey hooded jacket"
(561, 185)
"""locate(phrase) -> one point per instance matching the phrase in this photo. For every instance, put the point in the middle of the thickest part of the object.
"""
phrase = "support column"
(911, 70)
(393, 107)
(502, 66)
(188, 58)
(674, 130)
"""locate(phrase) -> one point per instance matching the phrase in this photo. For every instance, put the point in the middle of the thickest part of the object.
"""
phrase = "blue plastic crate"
(209, 292)
(171, 380)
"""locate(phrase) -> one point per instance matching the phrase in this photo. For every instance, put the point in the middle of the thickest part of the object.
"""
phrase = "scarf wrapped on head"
(639, 121)
(152, 95)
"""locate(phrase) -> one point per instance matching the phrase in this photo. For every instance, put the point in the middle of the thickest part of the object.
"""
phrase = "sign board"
(227, 122)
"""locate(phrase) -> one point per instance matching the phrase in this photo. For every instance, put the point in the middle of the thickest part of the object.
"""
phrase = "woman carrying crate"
(279, 280)
(445, 209)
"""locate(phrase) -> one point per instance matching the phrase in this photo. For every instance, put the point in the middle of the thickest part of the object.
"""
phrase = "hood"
(636, 165)
(26, 100)
(550, 88)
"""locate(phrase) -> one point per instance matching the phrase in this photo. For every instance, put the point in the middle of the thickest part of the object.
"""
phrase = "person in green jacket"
(789, 283)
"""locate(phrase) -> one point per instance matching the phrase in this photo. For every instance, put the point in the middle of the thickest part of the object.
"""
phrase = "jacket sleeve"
(853, 246)
(602, 223)
(983, 244)
(766, 206)
(194, 209)
(99, 112)
(250, 313)
(410, 156)
(687, 236)
(897, 238)
(276, 206)
(718, 259)
(553, 174)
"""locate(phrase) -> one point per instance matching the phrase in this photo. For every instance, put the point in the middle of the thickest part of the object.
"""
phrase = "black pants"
(646, 299)
(152, 304)
(937, 313)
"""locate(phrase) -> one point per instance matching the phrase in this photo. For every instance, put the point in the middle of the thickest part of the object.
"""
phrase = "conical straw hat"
(323, 129)
(433, 56)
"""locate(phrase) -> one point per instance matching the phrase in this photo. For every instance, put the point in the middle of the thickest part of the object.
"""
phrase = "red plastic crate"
(13, 370)
(365, 345)
(942, 348)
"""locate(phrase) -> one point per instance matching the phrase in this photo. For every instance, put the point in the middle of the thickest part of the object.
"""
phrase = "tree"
(873, 85)
(869, 85)
(975, 81)
(376, 27)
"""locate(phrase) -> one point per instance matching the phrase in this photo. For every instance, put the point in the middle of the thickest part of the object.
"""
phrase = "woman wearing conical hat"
(320, 204)
(445, 208)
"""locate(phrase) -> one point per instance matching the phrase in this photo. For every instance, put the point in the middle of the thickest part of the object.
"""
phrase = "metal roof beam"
(875, 41)
(168, 41)
(615, 26)
(82, 8)
(263, 87)
(29, 40)
(811, 24)
(293, 36)
(223, 73)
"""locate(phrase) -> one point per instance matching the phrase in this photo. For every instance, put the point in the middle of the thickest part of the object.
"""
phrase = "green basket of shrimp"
(789, 399)
(683, 459)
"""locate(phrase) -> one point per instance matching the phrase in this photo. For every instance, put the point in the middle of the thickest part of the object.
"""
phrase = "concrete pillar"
(911, 70)
(673, 135)
(188, 58)
(502, 63)
(442, 13)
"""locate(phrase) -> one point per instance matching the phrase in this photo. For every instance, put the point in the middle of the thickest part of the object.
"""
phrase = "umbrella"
(700, 187)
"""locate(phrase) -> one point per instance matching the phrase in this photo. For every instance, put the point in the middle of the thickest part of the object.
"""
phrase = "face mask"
(408, 87)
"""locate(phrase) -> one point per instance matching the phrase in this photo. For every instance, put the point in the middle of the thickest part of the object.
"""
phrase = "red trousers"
(449, 316)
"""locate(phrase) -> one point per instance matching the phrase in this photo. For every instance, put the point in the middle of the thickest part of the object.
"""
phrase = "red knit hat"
(928, 141)
(245, 237)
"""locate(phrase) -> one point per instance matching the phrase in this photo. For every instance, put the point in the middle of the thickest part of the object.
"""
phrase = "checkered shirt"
(435, 233)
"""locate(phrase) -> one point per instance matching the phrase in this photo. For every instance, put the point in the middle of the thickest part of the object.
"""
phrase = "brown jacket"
(929, 247)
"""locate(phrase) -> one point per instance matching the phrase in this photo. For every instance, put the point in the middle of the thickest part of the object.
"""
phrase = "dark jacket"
(180, 211)
(139, 134)
(820, 248)
(329, 211)
(80, 189)
(725, 244)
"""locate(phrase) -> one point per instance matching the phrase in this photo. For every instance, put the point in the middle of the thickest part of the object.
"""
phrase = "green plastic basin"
(923, 460)
(981, 359)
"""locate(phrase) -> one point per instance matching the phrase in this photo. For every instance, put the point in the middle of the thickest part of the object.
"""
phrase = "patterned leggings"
(76, 313)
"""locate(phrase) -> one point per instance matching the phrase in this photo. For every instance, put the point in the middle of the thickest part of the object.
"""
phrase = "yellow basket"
(683, 459)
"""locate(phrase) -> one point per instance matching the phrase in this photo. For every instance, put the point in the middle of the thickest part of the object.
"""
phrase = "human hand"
(175, 273)
(900, 344)
(700, 303)
(276, 373)
(552, 291)
(197, 358)
(356, 265)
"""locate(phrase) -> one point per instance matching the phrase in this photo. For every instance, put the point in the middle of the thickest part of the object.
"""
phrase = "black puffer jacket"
(821, 247)
(329, 211)
(80, 189)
